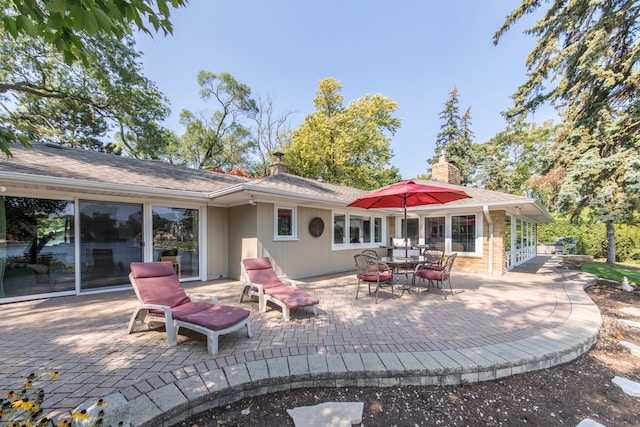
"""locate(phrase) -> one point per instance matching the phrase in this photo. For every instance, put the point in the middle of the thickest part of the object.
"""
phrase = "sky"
(414, 52)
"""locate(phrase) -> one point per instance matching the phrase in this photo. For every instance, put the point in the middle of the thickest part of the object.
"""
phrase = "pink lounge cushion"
(384, 277)
(158, 283)
(215, 317)
(260, 271)
(291, 296)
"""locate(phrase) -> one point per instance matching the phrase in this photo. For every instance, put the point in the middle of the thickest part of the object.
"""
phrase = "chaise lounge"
(162, 299)
(262, 281)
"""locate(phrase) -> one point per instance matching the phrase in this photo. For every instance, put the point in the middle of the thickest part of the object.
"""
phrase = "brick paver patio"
(531, 318)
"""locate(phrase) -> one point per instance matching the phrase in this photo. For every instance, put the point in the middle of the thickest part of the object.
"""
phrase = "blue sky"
(414, 52)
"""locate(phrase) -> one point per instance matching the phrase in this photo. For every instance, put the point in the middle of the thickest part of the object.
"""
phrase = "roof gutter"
(487, 215)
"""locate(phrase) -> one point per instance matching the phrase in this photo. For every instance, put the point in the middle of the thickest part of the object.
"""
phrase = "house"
(72, 220)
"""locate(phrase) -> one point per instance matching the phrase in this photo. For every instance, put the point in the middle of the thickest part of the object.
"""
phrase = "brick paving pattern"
(530, 318)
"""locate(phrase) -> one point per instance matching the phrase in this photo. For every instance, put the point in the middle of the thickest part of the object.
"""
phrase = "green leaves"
(348, 145)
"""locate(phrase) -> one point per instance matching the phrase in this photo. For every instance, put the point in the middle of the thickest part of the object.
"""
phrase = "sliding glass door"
(175, 239)
(110, 239)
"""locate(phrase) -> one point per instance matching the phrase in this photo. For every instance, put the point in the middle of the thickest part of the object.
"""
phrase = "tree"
(345, 145)
(70, 27)
(219, 141)
(586, 63)
(455, 138)
(272, 133)
(46, 99)
(512, 158)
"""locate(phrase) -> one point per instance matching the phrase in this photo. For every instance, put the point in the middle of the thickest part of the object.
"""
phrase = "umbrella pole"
(404, 227)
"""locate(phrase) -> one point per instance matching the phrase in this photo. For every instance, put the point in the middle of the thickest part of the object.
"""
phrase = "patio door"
(110, 239)
(176, 239)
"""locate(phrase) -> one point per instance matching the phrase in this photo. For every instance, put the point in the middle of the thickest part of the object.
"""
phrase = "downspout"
(485, 209)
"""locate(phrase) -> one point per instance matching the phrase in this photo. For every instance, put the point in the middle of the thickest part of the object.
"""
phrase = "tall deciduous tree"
(220, 140)
(348, 145)
(70, 27)
(586, 63)
(455, 138)
(272, 133)
(45, 99)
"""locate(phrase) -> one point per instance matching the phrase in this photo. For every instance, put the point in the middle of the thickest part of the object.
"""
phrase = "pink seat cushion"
(429, 274)
(216, 317)
(260, 271)
(384, 277)
(291, 296)
(158, 283)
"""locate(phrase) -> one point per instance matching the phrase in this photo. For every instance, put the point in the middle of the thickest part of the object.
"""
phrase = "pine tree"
(455, 138)
(586, 64)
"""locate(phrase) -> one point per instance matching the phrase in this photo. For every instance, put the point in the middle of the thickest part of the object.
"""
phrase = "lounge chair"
(162, 299)
(262, 281)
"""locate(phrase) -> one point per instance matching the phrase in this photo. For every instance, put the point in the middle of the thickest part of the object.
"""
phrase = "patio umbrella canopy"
(406, 194)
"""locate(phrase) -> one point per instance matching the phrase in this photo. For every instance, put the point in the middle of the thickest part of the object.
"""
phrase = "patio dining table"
(403, 266)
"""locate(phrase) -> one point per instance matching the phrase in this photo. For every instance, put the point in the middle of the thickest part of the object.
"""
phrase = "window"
(507, 234)
(377, 230)
(413, 226)
(359, 229)
(362, 230)
(463, 233)
(434, 232)
(285, 223)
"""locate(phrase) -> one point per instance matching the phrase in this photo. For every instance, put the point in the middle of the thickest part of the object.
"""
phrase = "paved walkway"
(531, 318)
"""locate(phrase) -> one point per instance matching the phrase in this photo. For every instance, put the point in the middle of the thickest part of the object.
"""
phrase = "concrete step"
(632, 388)
(635, 349)
(588, 422)
(633, 311)
(630, 323)
(333, 414)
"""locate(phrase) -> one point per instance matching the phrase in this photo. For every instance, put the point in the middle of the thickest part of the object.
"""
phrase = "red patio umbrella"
(407, 194)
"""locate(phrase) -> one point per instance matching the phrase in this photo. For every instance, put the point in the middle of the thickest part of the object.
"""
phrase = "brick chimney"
(443, 171)
(278, 166)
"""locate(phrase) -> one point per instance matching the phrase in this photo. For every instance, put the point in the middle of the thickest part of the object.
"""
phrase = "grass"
(610, 272)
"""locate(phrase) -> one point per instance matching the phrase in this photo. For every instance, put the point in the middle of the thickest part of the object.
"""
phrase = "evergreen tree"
(586, 63)
(455, 138)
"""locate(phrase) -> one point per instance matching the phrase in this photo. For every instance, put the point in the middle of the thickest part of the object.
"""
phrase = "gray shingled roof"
(85, 165)
(79, 170)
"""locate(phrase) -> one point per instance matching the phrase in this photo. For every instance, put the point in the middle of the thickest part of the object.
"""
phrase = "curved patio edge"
(190, 395)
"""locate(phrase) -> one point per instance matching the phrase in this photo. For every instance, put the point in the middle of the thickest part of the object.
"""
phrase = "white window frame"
(448, 231)
(294, 223)
(347, 238)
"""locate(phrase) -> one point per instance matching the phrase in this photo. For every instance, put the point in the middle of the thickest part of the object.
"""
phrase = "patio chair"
(437, 274)
(370, 270)
(162, 299)
(262, 281)
(433, 256)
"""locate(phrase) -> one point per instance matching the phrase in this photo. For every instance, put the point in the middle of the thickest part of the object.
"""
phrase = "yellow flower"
(24, 404)
(82, 415)
(28, 384)
(54, 374)
(32, 377)
(101, 403)
(64, 423)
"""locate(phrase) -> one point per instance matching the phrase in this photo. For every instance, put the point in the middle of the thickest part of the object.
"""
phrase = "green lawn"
(616, 273)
